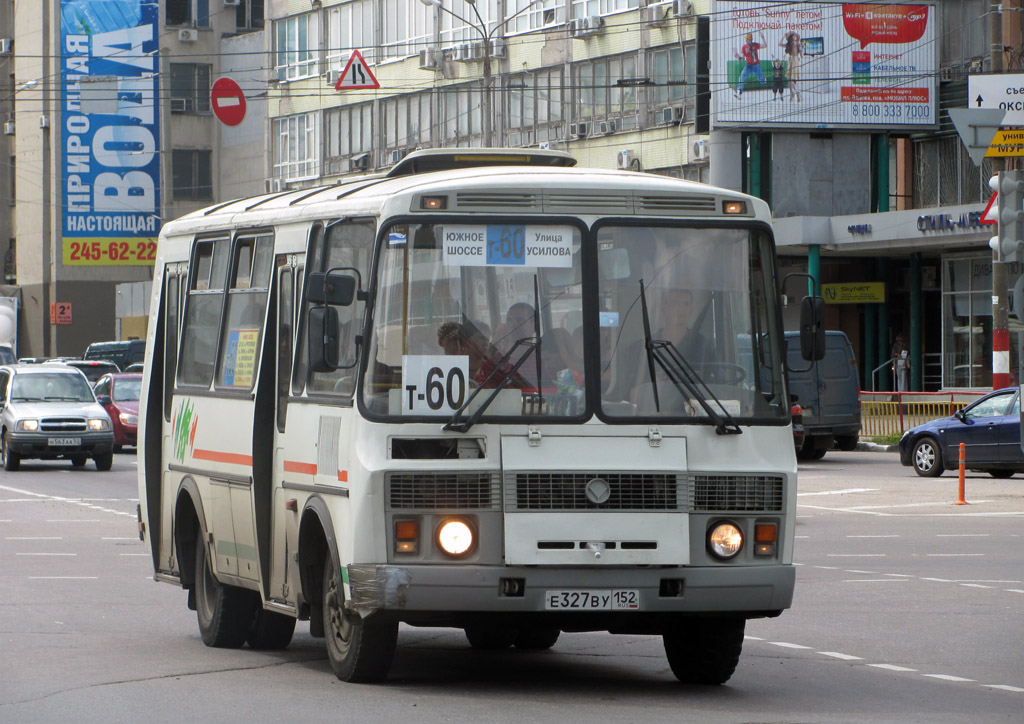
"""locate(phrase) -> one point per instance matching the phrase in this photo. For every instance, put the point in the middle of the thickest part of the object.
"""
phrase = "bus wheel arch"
(189, 520)
(316, 543)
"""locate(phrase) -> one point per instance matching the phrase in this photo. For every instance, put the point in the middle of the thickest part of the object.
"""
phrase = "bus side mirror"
(812, 328)
(323, 339)
(331, 288)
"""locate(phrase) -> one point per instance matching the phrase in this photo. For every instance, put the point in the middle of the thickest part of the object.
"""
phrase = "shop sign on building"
(857, 293)
(110, 131)
(60, 312)
(864, 65)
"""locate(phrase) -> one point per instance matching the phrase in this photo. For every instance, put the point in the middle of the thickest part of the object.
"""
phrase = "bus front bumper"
(750, 591)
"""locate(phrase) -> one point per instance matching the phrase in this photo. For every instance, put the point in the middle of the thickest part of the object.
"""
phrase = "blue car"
(989, 429)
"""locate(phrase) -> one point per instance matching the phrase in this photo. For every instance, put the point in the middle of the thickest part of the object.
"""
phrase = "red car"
(119, 394)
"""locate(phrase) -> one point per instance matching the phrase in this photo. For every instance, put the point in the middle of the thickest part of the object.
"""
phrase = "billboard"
(824, 65)
(110, 131)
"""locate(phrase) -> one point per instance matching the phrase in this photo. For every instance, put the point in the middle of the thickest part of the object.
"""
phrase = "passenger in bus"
(465, 338)
(676, 326)
(518, 324)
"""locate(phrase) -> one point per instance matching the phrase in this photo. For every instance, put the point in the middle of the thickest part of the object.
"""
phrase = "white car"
(50, 412)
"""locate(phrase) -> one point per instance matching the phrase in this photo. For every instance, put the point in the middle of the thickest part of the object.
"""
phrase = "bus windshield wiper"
(457, 424)
(682, 374)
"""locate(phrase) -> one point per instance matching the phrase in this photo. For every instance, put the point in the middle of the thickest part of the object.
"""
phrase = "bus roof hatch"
(443, 159)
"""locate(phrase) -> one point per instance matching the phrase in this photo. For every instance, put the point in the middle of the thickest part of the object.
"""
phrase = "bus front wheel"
(705, 651)
(225, 613)
(360, 650)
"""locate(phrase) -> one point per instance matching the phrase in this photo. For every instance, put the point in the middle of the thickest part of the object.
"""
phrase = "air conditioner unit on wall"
(673, 114)
(332, 77)
(499, 48)
(232, 3)
(360, 162)
(586, 27)
(188, 35)
(8, 128)
(6, 45)
(624, 159)
(700, 150)
(579, 130)
(682, 8)
(429, 59)
(273, 185)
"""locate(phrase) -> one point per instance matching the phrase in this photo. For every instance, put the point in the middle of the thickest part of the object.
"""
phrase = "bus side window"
(348, 244)
(203, 311)
(285, 332)
(172, 309)
(314, 256)
(246, 310)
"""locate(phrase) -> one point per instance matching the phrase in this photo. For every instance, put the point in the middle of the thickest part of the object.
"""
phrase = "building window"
(190, 88)
(967, 322)
(350, 27)
(406, 122)
(191, 174)
(11, 263)
(971, 40)
(297, 47)
(532, 15)
(408, 25)
(600, 97)
(535, 103)
(187, 12)
(584, 8)
(249, 15)
(348, 135)
(462, 115)
(666, 69)
(944, 174)
(296, 146)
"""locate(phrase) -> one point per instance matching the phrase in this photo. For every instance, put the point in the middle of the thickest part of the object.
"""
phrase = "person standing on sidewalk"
(901, 356)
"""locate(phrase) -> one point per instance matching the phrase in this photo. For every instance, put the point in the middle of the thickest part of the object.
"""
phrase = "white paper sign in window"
(508, 245)
(433, 384)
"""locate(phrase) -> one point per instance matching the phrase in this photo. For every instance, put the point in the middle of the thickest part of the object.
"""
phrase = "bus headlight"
(455, 537)
(725, 540)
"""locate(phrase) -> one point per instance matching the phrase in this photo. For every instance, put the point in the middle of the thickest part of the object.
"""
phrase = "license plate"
(65, 441)
(616, 599)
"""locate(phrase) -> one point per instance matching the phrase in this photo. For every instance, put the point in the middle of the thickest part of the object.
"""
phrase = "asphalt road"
(908, 609)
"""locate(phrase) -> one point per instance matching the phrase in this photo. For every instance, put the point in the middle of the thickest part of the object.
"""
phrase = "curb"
(875, 447)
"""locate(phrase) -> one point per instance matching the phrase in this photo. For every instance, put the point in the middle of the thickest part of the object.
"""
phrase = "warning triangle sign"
(356, 74)
(988, 216)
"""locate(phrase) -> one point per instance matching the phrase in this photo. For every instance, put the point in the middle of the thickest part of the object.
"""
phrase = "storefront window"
(967, 322)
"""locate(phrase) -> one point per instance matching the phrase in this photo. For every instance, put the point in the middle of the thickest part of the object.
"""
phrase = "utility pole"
(1000, 314)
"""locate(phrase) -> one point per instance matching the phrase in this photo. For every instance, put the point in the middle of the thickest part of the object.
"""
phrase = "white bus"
(486, 390)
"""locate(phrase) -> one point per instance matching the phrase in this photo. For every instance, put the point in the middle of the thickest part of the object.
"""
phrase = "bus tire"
(705, 651)
(359, 650)
(537, 639)
(271, 631)
(225, 613)
(488, 638)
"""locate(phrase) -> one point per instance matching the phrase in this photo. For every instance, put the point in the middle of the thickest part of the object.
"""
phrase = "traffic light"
(1009, 244)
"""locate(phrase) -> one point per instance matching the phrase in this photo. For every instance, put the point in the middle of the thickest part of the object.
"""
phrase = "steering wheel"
(721, 373)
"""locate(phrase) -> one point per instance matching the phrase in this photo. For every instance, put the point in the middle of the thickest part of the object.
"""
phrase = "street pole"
(1000, 310)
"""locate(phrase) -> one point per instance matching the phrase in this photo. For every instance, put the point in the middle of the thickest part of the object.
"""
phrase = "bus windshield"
(709, 307)
(468, 306)
(490, 315)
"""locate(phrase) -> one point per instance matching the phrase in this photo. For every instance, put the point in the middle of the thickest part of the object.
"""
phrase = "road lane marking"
(974, 585)
(785, 645)
(1004, 687)
(74, 520)
(947, 677)
(874, 580)
(890, 535)
(34, 537)
(891, 667)
(961, 535)
(40, 497)
(837, 655)
(856, 555)
(839, 492)
(954, 555)
(46, 554)
(63, 578)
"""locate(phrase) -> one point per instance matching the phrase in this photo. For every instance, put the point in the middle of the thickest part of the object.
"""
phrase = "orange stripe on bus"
(292, 466)
(343, 476)
(222, 457)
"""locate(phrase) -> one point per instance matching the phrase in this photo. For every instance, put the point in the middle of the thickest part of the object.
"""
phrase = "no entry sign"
(228, 101)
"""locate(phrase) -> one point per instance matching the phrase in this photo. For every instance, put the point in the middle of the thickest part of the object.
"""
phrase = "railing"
(887, 413)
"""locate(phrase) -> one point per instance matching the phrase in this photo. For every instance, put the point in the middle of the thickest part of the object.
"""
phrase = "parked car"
(50, 412)
(122, 353)
(135, 367)
(989, 429)
(119, 395)
(828, 393)
(92, 369)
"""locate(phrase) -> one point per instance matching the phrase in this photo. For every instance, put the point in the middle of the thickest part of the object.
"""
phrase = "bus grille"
(62, 424)
(443, 491)
(676, 204)
(757, 493)
(568, 491)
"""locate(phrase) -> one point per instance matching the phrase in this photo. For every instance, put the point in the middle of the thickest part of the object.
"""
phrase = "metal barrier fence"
(891, 413)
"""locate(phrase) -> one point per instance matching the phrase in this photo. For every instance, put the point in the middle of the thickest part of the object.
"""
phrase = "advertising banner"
(824, 64)
(110, 131)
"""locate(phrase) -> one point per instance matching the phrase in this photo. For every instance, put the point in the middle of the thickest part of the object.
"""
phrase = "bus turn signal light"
(407, 536)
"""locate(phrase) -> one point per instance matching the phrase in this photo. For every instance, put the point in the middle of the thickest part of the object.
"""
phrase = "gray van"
(829, 394)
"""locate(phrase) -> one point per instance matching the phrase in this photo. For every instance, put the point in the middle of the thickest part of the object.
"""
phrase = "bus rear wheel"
(271, 631)
(225, 613)
(705, 651)
(360, 650)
